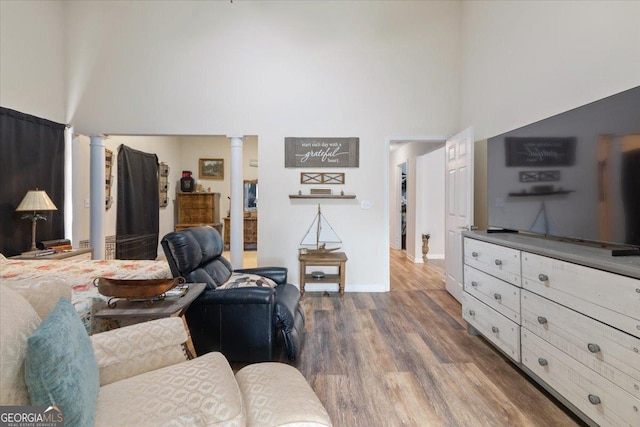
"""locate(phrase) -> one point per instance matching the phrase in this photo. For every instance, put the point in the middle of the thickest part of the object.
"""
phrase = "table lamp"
(33, 201)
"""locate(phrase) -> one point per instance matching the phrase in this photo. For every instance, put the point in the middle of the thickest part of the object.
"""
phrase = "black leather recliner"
(242, 323)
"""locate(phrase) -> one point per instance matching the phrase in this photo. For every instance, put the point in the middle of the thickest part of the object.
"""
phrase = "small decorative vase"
(425, 245)
(187, 184)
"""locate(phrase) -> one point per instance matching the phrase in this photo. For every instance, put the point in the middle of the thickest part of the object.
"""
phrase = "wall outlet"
(87, 203)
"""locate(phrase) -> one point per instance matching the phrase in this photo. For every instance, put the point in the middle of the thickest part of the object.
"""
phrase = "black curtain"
(31, 156)
(138, 197)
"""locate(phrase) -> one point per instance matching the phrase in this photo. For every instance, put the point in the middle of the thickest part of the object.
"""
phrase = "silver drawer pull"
(472, 313)
(542, 362)
(494, 329)
(594, 399)
(542, 320)
(474, 284)
(593, 348)
(497, 297)
(498, 262)
(543, 277)
(474, 254)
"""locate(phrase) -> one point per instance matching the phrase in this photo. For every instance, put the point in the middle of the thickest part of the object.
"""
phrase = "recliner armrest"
(143, 347)
(245, 295)
(277, 274)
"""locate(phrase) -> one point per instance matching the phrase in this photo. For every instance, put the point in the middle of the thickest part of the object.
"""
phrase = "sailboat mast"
(318, 229)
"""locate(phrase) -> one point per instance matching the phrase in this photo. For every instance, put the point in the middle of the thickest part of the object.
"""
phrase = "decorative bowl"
(135, 288)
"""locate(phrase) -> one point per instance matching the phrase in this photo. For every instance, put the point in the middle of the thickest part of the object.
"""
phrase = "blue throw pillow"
(60, 367)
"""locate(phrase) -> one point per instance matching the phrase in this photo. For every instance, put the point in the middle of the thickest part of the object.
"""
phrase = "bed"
(80, 275)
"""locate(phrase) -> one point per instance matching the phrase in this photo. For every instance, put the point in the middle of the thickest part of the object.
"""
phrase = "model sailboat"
(319, 234)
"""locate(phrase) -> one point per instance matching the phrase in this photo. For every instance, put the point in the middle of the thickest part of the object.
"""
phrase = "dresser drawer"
(496, 260)
(609, 297)
(600, 399)
(496, 328)
(611, 353)
(501, 296)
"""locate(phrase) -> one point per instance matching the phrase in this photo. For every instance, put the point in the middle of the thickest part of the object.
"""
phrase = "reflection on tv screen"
(573, 175)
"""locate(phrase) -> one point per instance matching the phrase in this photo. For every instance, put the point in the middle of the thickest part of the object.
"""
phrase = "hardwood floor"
(404, 358)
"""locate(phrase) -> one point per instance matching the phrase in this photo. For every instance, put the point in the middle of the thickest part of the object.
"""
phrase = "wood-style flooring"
(404, 358)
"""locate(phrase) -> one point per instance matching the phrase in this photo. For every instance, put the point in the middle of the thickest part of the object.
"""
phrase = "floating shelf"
(322, 196)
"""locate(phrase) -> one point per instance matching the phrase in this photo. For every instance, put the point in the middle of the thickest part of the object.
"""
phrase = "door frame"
(392, 169)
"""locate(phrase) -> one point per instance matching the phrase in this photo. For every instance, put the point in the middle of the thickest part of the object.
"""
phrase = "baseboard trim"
(430, 256)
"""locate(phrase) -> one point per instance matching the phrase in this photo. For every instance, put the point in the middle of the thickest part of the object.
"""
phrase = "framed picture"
(211, 169)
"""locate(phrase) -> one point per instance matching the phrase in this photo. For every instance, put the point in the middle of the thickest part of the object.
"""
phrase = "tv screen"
(573, 175)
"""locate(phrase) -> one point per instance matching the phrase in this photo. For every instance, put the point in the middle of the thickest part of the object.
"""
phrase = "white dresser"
(567, 314)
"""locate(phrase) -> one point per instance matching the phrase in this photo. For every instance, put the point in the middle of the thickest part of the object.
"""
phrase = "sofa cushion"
(18, 320)
(43, 293)
(242, 280)
(61, 368)
(200, 392)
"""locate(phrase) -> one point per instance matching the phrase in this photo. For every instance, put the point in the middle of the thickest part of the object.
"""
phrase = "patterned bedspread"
(80, 275)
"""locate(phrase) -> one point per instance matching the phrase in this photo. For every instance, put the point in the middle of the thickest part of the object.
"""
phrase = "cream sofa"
(146, 379)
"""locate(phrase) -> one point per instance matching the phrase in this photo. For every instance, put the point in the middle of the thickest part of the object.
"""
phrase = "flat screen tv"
(575, 175)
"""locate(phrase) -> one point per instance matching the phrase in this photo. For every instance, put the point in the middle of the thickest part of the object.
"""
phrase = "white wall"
(275, 69)
(527, 60)
(32, 58)
(430, 203)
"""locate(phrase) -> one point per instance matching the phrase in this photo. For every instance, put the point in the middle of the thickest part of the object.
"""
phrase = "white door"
(459, 205)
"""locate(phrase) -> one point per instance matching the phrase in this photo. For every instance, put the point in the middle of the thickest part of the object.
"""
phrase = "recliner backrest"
(196, 254)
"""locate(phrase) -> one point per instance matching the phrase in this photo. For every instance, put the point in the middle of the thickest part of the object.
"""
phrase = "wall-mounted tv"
(574, 175)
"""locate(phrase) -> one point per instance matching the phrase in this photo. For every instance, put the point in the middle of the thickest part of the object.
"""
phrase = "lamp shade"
(36, 200)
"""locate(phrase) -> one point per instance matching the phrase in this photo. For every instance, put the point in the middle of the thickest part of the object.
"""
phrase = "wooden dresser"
(195, 209)
(250, 231)
(567, 314)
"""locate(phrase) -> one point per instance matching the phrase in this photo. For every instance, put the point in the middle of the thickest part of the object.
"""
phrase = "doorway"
(416, 188)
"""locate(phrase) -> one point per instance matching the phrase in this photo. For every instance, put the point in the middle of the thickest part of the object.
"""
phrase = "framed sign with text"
(321, 152)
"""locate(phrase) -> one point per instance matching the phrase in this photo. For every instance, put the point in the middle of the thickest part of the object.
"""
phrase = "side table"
(327, 259)
(134, 311)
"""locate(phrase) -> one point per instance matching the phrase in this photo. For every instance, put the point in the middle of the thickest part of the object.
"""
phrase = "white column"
(97, 197)
(236, 234)
(68, 184)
